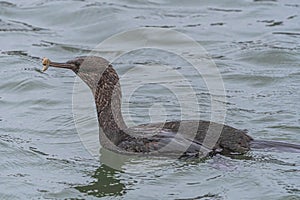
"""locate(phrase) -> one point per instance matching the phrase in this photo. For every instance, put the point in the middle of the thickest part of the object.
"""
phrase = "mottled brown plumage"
(179, 138)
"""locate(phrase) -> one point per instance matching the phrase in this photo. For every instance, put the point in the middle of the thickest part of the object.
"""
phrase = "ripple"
(42, 103)
(254, 80)
(271, 22)
(34, 149)
(19, 26)
(68, 47)
(23, 54)
(265, 0)
(160, 26)
(225, 10)
(217, 24)
(25, 85)
(286, 127)
(192, 25)
(293, 5)
(206, 196)
(7, 4)
(12, 139)
(292, 16)
(287, 33)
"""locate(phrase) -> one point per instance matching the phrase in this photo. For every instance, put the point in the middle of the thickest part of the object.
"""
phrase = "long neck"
(108, 103)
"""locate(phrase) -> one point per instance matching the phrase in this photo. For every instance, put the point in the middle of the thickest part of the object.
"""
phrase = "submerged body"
(187, 138)
(180, 138)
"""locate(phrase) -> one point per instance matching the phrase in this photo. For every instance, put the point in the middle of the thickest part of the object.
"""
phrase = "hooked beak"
(46, 63)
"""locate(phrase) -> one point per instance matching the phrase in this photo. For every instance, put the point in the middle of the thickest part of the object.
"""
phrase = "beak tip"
(46, 63)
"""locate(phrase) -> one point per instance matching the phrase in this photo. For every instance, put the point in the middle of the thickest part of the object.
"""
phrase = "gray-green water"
(254, 43)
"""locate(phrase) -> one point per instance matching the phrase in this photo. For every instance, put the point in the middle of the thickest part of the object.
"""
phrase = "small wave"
(160, 26)
(192, 25)
(25, 85)
(287, 33)
(7, 4)
(19, 26)
(225, 10)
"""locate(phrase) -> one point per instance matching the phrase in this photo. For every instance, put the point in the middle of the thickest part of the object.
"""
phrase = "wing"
(186, 138)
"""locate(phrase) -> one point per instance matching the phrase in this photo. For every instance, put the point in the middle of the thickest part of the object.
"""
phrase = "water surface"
(255, 45)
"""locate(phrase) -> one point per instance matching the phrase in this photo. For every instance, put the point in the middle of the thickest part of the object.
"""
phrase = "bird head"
(88, 68)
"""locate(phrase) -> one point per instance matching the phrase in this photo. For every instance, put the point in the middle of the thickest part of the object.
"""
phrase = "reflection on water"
(105, 184)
